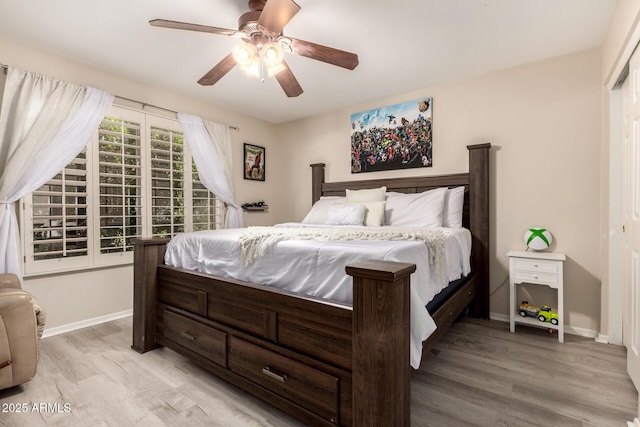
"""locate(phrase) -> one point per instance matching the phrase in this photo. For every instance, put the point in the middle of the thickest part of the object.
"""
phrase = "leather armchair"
(21, 325)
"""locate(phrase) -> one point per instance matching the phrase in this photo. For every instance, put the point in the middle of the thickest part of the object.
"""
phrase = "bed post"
(479, 224)
(381, 372)
(317, 179)
(148, 254)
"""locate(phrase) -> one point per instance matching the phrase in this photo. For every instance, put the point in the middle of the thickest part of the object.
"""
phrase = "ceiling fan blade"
(277, 13)
(326, 54)
(219, 71)
(191, 27)
(288, 81)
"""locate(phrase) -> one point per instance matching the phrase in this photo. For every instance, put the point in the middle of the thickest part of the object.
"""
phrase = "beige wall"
(544, 121)
(79, 296)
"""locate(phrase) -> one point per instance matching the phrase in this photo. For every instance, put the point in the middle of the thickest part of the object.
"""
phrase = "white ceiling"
(403, 45)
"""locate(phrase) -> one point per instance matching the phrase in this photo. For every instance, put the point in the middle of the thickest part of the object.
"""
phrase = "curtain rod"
(144, 104)
(4, 68)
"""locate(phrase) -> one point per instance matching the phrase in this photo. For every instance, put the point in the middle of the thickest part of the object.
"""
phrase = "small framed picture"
(254, 162)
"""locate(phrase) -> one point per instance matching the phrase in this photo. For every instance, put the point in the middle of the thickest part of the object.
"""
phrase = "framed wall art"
(254, 162)
(394, 137)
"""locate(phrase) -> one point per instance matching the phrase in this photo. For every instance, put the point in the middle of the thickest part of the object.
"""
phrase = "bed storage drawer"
(308, 387)
(195, 336)
(183, 297)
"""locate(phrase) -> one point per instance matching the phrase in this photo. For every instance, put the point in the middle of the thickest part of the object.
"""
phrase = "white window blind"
(207, 209)
(60, 213)
(57, 221)
(167, 182)
(120, 184)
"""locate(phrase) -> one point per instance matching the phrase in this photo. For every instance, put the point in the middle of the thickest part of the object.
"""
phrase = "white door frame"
(616, 240)
(616, 165)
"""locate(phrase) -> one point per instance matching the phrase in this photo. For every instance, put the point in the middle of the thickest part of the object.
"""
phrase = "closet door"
(631, 311)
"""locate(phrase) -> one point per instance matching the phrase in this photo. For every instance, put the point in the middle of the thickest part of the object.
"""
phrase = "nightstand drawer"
(536, 265)
(551, 279)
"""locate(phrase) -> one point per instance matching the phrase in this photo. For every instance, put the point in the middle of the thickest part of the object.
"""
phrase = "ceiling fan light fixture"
(245, 54)
(272, 54)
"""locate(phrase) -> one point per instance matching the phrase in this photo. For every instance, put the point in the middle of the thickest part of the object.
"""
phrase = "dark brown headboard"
(475, 214)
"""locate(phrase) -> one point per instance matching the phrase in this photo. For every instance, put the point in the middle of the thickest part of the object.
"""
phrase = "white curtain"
(44, 124)
(210, 144)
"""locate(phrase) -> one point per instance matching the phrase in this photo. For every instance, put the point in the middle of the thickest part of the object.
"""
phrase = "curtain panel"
(44, 124)
(210, 144)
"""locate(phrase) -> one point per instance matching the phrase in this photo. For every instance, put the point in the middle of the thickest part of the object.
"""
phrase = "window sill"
(68, 271)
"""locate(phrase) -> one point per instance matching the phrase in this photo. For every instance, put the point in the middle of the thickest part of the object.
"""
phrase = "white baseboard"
(582, 332)
(603, 339)
(589, 333)
(499, 317)
(49, 332)
(634, 423)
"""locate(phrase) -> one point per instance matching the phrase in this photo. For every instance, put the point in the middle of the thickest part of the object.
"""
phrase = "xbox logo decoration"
(537, 238)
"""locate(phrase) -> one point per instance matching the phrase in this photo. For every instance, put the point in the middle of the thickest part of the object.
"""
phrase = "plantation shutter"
(120, 183)
(59, 214)
(207, 209)
(167, 182)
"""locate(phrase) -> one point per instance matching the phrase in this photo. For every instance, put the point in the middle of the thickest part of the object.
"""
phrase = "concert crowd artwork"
(394, 137)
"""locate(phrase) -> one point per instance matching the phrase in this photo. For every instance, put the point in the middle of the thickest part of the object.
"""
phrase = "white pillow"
(320, 209)
(374, 213)
(453, 205)
(369, 195)
(416, 209)
(346, 214)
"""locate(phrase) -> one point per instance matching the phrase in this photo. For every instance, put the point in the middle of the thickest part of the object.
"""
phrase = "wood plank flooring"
(480, 374)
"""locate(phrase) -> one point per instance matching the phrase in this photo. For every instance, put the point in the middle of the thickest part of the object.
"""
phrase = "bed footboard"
(381, 335)
(324, 363)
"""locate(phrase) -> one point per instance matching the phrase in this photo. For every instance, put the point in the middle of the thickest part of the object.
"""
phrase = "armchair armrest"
(9, 280)
(18, 338)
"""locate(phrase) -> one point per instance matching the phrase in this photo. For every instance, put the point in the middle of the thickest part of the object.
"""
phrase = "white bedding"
(317, 268)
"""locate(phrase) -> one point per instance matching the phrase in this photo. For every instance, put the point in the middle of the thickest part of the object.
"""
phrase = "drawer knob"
(535, 265)
(535, 276)
(187, 335)
(276, 376)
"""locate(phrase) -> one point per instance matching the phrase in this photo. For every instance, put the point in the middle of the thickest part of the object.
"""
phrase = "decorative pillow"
(453, 205)
(369, 195)
(320, 209)
(346, 214)
(416, 209)
(374, 213)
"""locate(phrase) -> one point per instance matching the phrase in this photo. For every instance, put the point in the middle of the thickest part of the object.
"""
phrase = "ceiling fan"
(261, 30)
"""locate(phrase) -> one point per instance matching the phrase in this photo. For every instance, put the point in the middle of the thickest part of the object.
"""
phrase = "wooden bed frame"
(324, 363)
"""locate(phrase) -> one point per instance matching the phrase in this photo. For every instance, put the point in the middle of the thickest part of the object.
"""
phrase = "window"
(207, 209)
(144, 183)
(167, 182)
(59, 217)
(120, 184)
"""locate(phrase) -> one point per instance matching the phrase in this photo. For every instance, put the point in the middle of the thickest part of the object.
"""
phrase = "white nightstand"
(538, 268)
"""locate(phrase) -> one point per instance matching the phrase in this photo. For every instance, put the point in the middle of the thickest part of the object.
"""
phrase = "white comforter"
(317, 268)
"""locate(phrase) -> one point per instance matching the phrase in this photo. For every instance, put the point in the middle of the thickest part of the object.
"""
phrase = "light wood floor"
(480, 374)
